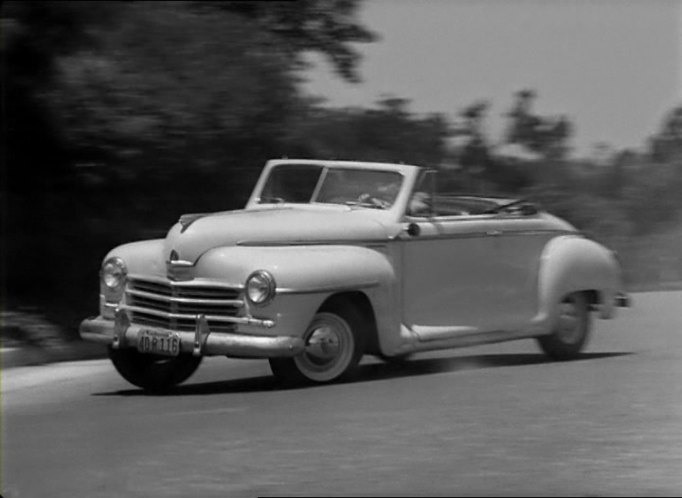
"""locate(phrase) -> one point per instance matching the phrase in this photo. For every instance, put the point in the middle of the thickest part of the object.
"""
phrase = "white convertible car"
(330, 260)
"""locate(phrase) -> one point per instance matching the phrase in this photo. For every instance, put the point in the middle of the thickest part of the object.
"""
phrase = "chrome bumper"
(120, 333)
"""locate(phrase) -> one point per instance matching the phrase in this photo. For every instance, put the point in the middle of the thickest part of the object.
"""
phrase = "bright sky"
(613, 66)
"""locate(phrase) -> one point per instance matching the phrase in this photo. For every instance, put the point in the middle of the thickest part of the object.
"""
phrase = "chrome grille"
(158, 302)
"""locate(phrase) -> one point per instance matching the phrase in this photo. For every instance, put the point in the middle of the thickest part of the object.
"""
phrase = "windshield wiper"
(501, 207)
(369, 205)
(270, 199)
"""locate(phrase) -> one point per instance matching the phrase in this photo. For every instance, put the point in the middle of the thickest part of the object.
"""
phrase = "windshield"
(307, 183)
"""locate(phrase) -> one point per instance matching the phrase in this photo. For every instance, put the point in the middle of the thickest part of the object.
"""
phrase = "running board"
(438, 333)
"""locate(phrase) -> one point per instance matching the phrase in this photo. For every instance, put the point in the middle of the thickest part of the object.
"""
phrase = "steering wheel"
(376, 201)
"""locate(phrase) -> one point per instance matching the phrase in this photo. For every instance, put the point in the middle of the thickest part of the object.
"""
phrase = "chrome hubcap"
(323, 345)
(329, 348)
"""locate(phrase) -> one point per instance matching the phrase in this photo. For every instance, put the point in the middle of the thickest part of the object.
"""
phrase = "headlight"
(114, 273)
(260, 287)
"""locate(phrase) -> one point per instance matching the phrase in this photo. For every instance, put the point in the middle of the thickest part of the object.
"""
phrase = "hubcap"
(329, 348)
(323, 345)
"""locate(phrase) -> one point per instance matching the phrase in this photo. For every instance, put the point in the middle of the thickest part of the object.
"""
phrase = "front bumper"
(120, 333)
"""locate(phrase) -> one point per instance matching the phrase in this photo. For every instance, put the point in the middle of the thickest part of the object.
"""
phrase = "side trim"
(437, 333)
(489, 233)
(473, 339)
(338, 288)
(321, 242)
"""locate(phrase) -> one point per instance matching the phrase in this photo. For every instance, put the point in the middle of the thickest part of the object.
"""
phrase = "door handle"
(494, 233)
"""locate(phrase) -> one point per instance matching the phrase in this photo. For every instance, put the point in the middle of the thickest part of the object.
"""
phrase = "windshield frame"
(393, 215)
(392, 170)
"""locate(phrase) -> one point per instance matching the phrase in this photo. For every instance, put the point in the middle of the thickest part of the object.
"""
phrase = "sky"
(613, 66)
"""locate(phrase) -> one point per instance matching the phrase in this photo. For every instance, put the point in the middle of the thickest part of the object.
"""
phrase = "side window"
(426, 202)
(421, 200)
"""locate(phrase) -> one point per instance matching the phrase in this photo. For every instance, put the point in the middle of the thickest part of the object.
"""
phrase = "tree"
(545, 135)
(387, 132)
(666, 145)
(471, 150)
(174, 85)
(122, 82)
(34, 36)
(325, 26)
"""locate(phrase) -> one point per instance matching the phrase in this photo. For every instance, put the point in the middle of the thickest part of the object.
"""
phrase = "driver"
(384, 195)
(420, 204)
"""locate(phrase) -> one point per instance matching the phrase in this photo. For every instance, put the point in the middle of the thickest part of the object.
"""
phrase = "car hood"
(196, 234)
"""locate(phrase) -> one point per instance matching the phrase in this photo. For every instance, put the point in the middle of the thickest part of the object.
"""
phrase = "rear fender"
(572, 263)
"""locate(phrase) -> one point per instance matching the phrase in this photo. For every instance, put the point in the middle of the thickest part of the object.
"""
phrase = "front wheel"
(151, 372)
(571, 331)
(333, 348)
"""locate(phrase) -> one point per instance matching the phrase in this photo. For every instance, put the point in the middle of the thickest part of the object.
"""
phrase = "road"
(491, 420)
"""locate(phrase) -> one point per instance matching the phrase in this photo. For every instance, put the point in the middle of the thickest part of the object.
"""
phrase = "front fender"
(306, 276)
(143, 257)
(572, 263)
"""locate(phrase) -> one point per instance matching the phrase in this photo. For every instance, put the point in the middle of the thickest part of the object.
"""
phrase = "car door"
(518, 243)
(450, 277)
(471, 273)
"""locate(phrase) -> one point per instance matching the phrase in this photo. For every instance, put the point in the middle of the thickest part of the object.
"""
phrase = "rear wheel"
(572, 329)
(333, 348)
(151, 372)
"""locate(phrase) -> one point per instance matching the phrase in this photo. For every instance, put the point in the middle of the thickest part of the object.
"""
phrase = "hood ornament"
(177, 269)
(187, 219)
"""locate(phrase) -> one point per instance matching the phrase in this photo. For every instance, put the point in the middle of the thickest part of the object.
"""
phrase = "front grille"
(157, 302)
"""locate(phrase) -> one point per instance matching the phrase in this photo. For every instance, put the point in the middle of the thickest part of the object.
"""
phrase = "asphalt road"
(493, 420)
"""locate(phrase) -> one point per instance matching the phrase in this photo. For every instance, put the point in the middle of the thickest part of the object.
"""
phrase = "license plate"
(158, 342)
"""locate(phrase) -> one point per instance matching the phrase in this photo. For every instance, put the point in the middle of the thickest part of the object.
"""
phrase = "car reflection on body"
(331, 260)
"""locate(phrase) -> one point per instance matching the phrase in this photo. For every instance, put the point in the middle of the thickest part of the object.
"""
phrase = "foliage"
(544, 135)
(325, 26)
(389, 132)
(168, 88)
(667, 144)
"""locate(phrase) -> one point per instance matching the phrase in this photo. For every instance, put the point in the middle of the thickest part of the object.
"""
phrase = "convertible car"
(331, 260)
